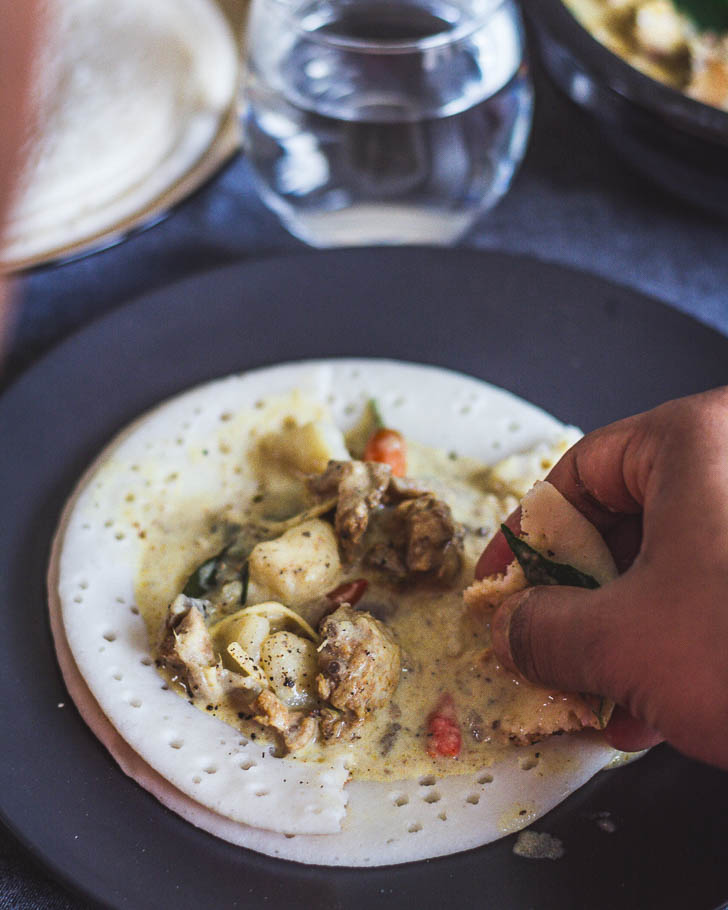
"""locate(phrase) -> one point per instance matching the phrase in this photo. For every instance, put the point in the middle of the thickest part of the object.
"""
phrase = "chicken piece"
(401, 488)
(332, 724)
(186, 640)
(434, 542)
(297, 728)
(186, 650)
(360, 487)
(359, 661)
(387, 559)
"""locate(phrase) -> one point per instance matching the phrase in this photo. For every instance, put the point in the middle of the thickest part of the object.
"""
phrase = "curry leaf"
(376, 414)
(706, 14)
(203, 578)
(542, 571)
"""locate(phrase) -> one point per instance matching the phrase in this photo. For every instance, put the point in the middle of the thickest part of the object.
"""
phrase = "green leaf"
(203, 578)
(376, 414)
(706, 14)
(542, 571)
(245, 579)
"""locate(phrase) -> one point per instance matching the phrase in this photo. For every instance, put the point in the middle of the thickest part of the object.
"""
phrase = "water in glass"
(396, 122)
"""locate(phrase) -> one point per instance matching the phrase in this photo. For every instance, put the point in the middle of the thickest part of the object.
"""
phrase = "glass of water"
(384, 121)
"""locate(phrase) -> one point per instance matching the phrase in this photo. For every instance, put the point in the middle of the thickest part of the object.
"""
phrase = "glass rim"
(370, 46)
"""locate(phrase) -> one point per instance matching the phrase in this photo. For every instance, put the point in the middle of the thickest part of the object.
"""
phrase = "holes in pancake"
(146, 661)
(225, 416)
(414, 828)
(262, 792)
(400, 801)
(289, 836)
(164, 687)
(210, 769)
(110, 635)
(117, 675)
(83, 585)
(432, 797)
(134, 609)
(473, 799)
(442, 816)
(86, 526)
(243, 741)
(180, 441)
(514, 426)
(247, 765)
(120, 600)
(119, 535)
(528, 762)
(78, 599)
(465, 409)
(485, 779)
(176, 743)
(135, 702)
(109, 523)
(196, 779)
(170, 478)
(429, 780)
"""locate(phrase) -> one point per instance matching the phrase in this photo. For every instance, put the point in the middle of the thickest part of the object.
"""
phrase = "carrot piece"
(443, 732)
(388, 447)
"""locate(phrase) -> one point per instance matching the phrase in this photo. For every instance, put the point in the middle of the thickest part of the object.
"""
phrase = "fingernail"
(500, 631)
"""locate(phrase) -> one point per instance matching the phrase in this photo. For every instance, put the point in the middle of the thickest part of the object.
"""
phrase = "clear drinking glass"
(384, 121)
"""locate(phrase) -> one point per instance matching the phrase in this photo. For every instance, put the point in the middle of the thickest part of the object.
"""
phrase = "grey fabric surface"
(573, 202)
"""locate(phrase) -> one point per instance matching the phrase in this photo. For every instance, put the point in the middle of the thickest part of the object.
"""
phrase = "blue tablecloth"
(573, 202)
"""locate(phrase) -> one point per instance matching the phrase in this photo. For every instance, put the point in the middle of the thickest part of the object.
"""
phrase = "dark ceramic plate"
(586, 350)
(672, 139)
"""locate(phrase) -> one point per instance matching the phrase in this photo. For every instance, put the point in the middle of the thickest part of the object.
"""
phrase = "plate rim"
(97, 324)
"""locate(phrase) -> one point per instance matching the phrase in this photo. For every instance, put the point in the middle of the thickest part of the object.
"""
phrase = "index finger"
(600, 475)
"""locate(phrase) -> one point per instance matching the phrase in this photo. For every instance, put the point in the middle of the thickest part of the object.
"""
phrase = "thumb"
(556, 637)
(562, 637)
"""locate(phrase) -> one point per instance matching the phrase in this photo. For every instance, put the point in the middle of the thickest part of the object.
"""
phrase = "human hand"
(656, 639)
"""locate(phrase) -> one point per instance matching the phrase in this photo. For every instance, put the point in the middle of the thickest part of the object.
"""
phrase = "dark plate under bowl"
(672, 139)
(586, 350)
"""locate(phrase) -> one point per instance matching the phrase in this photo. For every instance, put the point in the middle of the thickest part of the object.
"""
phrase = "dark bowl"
(674, 140)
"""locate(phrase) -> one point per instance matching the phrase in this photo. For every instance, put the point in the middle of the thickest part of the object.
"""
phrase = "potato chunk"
(248, 631)
(290, 663)
(299, 565)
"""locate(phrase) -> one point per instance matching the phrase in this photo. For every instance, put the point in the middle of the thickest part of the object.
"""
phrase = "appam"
(133, 108)
(199, 766)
